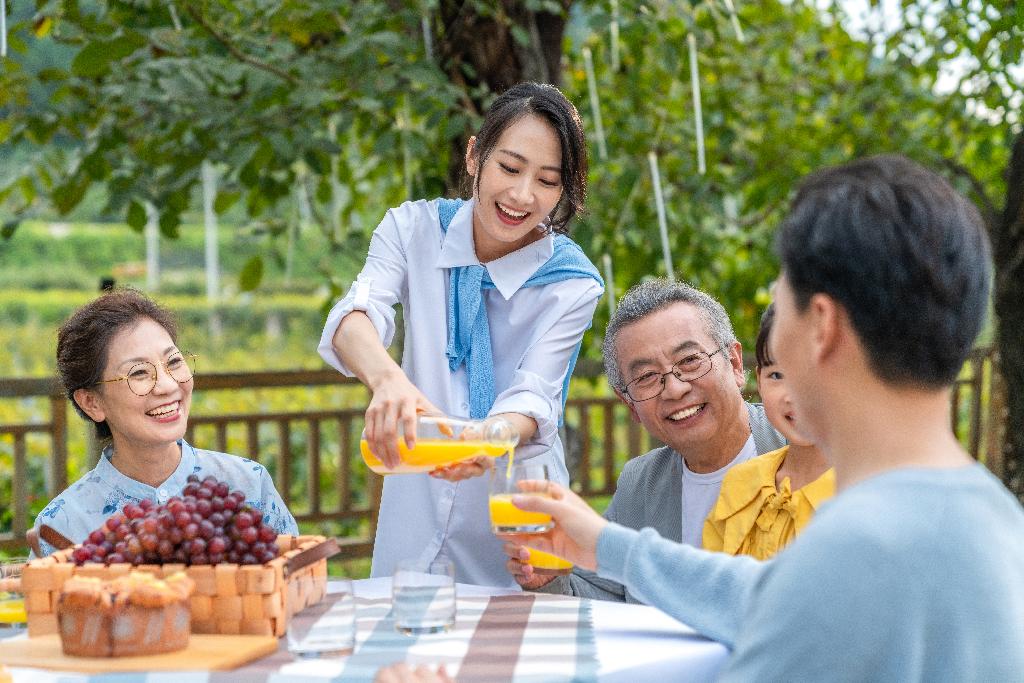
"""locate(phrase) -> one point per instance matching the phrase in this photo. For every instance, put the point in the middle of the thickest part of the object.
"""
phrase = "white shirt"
(534, 332)
(700, 493)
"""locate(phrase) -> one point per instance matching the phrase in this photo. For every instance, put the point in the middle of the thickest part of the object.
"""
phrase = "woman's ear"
(90, 403)
(471, 158)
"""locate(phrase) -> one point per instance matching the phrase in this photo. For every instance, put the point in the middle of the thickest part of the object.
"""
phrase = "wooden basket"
(228, 598)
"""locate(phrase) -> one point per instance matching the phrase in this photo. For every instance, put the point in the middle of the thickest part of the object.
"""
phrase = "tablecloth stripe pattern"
(524, 638)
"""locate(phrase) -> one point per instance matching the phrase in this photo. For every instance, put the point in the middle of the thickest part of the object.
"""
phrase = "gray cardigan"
(649, 493)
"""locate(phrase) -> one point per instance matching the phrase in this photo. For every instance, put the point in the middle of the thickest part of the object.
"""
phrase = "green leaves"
(251, 275)
(94, 60)
(225, 200)
(136, 217)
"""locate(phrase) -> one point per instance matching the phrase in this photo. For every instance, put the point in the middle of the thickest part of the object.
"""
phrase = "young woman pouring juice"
(495, 300)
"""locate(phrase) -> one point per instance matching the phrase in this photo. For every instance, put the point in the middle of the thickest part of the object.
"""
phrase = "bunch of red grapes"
(208, 524)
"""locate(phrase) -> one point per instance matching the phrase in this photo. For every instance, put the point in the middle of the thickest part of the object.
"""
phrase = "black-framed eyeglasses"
(141, 377)
(651, 384)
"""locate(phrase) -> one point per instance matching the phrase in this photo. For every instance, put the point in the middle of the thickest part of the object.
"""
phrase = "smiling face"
(520, 184)
(704, 420)
(140, 422)
(771, 384)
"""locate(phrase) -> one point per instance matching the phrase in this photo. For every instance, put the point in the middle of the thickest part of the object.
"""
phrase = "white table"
(633, 643)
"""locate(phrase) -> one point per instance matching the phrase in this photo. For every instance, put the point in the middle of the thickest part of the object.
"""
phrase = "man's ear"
(734, 353)
(829, 327)
(471, 159)
(629, 404)
(90, 403)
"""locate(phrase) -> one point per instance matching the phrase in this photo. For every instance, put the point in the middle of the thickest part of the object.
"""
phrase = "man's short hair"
(903, 253)
(651, 296)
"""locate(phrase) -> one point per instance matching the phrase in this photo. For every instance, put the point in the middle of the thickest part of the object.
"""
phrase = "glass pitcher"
(442, 440)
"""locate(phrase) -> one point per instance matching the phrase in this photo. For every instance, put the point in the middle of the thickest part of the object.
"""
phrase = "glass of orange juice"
(506, 518)
(546, 563)
(12, 602)
(442, 440)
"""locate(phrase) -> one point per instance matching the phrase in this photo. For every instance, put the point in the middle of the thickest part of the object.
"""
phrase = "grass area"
(88, 251)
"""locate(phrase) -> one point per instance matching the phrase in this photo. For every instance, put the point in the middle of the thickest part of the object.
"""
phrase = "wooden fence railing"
(313, 455)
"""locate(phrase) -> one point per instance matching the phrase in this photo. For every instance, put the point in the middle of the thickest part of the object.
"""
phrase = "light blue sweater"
(913, 575)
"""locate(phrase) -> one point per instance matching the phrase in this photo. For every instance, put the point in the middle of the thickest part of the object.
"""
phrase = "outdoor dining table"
(499, 635)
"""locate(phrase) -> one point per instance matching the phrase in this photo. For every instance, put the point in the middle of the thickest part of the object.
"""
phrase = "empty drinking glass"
(423, 597)
(328, 628)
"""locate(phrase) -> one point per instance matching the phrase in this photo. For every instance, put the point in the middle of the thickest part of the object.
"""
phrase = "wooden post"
(344, 463)
(313, 449)
(609, 446)
(59, 435)
(284, 460)
(20, 485)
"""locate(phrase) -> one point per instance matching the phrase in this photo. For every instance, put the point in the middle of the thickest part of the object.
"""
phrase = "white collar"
(509, 272)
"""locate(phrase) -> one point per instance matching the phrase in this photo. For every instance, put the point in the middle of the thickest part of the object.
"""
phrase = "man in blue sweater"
(915, 571)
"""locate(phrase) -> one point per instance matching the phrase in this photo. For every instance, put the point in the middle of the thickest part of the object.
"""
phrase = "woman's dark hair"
(763, 358)
(547, 102)
(83, 340)
(903, 253)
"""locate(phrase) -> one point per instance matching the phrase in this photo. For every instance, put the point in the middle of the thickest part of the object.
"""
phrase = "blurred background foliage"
(320, 114)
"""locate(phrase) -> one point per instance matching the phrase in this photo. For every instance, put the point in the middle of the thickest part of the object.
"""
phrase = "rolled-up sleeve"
(536, 387)
(378, 287)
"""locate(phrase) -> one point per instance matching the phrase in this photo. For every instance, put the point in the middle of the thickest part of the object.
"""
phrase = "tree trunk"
(481, 54)
(1008, 248)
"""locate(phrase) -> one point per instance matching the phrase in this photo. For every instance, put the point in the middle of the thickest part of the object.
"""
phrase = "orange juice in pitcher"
(442, 441)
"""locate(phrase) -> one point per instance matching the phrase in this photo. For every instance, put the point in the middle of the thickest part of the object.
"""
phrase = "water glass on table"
(506, 518)
(328, 628)
(423, 597)
(13, 618)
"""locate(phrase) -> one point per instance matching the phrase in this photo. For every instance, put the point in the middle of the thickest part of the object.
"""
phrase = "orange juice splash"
(505, 515)
(429, 454)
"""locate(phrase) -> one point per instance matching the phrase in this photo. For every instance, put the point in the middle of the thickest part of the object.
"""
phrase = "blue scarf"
(469, 335)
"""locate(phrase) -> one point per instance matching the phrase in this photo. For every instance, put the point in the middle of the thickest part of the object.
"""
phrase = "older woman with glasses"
(121, 367)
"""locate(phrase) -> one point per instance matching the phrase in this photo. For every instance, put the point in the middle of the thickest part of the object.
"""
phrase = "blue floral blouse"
(87, 503)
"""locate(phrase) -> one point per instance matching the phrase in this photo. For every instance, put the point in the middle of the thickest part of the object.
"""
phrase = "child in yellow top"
(765, 502)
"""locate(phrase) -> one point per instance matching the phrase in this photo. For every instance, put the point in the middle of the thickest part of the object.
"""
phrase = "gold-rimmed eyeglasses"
(141, 377)
(689, 369)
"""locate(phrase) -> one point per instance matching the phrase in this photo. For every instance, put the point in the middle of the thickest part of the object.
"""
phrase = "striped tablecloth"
(523, 638)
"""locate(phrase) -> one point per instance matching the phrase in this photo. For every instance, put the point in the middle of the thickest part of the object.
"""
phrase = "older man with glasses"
(671, 355)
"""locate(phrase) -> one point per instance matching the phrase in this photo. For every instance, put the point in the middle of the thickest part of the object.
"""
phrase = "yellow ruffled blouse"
(752, 517)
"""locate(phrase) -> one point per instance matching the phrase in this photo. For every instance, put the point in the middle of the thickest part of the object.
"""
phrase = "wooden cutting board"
(204, 652)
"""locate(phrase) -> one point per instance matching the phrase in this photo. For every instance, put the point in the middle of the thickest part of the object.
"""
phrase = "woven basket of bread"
(228, 598)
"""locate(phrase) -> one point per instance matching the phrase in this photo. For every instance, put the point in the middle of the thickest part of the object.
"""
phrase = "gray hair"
(651, 296)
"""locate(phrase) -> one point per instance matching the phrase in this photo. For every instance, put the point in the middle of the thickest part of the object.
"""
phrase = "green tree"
(369, 103)
(801, 92)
